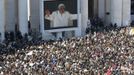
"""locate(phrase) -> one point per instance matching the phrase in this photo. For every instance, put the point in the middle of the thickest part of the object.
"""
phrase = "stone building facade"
(14, 15)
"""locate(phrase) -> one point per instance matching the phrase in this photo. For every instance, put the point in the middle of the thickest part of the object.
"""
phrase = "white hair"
(60, 5)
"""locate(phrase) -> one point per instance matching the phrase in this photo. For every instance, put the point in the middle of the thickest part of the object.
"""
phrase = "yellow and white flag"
(131, 31)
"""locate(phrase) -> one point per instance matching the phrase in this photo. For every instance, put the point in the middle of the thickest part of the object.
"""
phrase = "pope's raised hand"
(47, 12)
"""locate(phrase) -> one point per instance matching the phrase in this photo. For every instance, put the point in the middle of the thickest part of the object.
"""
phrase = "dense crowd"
(100, 53)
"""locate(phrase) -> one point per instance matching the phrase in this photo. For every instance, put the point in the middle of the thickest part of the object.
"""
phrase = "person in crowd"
(88, 29)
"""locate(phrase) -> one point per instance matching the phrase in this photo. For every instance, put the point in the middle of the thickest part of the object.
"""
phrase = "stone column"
(101, 7)
(16, 15)
(41, 16)
(126, 12)
(95, 7)
(78, 32)
(84, 15)
(35, 15)
(2, 20)
(10, 15)
(23, 16)
(116, 12)
(107, 12)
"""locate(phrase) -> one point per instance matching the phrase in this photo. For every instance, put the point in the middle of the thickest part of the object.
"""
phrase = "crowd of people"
(96, 24)
(100, 53)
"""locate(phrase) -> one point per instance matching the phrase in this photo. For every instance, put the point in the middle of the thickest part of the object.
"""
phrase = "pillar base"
(48, 36)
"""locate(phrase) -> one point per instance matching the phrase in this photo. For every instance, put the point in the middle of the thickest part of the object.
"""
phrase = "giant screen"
(60, 14)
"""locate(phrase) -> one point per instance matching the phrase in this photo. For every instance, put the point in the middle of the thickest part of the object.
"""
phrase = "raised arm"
(73, 16)
(48, 16)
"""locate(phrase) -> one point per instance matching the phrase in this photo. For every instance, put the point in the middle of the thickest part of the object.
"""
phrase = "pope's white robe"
(61, 20)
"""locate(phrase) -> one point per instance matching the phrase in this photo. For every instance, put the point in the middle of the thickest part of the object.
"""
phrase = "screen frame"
(76, 29)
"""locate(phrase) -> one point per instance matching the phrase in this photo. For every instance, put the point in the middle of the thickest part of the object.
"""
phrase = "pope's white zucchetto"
(61, 5)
